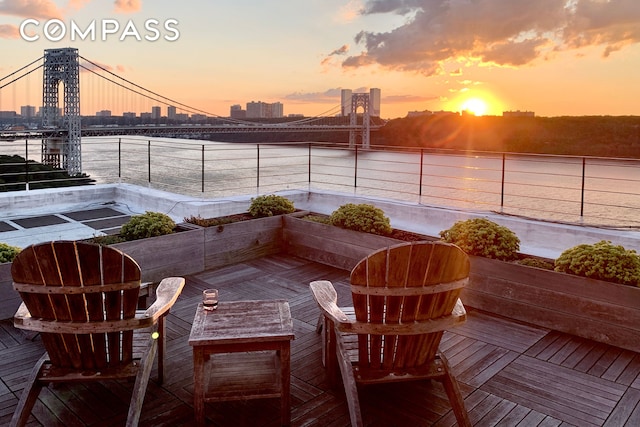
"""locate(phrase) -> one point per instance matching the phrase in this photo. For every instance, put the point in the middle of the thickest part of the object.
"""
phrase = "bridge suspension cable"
(19, 70)
(154, 96)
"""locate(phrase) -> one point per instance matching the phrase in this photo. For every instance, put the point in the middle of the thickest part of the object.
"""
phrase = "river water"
(568, 189)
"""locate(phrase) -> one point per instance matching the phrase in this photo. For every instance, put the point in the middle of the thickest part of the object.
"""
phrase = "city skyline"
(555, 58)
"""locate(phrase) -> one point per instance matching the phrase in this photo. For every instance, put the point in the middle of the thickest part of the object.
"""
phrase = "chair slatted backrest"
(405, 284)
(80, 282)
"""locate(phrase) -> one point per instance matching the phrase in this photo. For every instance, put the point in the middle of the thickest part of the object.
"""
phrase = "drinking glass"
(210, 299)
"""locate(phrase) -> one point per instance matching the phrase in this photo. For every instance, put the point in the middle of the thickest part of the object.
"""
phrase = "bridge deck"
(510, 373)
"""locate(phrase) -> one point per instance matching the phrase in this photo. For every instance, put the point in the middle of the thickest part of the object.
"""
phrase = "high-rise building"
(254, 110)
(276, 109)
(55, 111)
(374, 102)
(171, 112)
(156, 112)
(261, 110)
(345, 101)
(103, 113)
(236, 112)
(28, 112)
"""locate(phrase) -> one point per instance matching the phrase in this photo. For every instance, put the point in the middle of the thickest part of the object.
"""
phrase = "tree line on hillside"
(606, 136)
(602, 136)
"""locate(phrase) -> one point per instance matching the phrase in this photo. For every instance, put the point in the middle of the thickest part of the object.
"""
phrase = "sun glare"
(475, 106)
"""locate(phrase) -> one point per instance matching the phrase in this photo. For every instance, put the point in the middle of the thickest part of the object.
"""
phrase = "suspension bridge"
(59, 121)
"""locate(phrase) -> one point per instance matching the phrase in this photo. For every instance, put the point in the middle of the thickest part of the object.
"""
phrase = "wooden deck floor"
(511, 374)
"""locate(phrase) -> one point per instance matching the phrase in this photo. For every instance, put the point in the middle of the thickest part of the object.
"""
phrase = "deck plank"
(510, 373)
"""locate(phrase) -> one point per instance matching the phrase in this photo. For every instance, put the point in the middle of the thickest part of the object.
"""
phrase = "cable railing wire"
(609, 194)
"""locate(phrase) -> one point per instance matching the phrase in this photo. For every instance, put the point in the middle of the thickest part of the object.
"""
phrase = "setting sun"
(475, 106)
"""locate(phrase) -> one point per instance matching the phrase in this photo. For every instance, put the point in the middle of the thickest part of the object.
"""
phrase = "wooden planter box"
(176, 254)
(203, 248)
(9, 299)
(329, 245)
(602, 311)
(181, 254)
(242, 241)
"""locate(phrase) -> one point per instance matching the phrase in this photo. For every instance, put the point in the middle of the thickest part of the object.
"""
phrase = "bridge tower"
(63, 151)
(360, 100)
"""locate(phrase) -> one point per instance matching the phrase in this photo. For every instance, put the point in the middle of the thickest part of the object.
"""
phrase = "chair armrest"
(459, 313)
(325, 295)
(167, 293)
(22, 313)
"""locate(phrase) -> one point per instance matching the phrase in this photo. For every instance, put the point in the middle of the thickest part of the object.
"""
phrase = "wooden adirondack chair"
(82, 298)
(404, 297)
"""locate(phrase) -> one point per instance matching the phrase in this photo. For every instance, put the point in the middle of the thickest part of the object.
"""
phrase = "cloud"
(349, 11)
(500, 32)
(514, 53)
(128, 6)
(8, 31)
(397, 99)
(44, 9)
(613, 24)
(341, 50)
(77, 4)
(330, 96)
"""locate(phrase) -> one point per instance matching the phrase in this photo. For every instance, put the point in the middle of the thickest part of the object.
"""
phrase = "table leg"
(198, 384)
(285, 383)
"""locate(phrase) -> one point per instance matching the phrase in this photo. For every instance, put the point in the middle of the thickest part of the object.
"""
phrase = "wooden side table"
(241, 351)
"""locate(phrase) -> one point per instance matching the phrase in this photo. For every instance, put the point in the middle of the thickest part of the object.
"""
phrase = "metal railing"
(587, 190)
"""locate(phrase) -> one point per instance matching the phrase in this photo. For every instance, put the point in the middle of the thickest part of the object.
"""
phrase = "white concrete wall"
(540, 238)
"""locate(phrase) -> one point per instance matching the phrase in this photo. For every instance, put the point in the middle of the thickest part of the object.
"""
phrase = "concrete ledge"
(541, 238)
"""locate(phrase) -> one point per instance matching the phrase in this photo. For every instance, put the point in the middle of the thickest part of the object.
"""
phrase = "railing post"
(149, 159)
(584, 167)
(26, 164)
(202, 174)
(258, 168)
(309, 178)
(355, 168)
(119, 159)
(421, 170)
(504, 156)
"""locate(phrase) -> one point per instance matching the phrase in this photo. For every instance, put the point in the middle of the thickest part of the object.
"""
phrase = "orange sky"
(573, 57)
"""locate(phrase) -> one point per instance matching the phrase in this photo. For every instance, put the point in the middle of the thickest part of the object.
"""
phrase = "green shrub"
(602, 261)
(208, 222)
(482, 237)
(110, 239)
(149, 224)
(8, 252)
(318, 218)
(362, 217)
(270, 205)
(535, 262)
